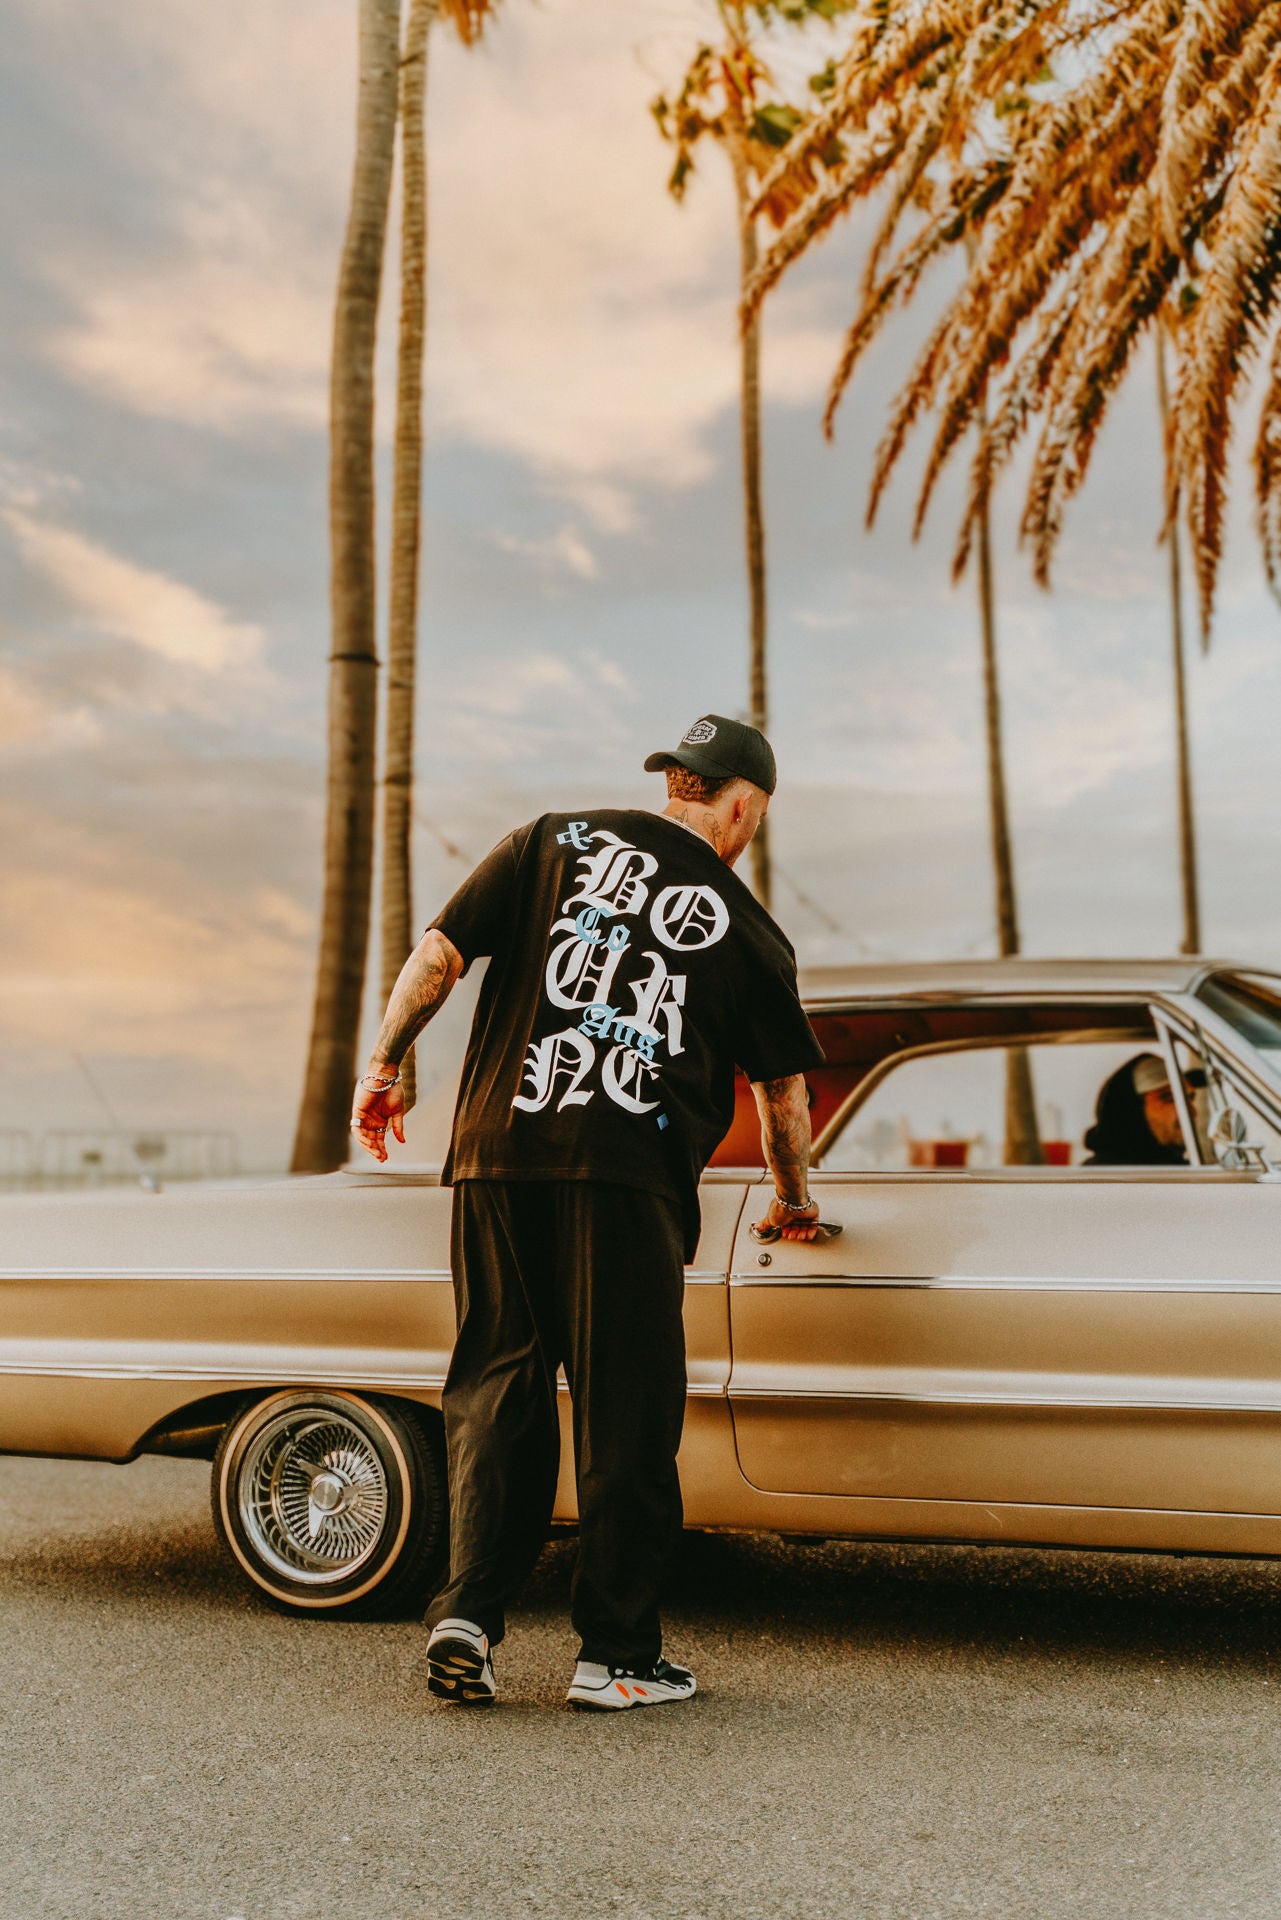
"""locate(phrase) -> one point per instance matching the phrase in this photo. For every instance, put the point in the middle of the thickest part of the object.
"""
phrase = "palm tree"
(467, 16)
(406, 516)
(738, 147)
(1189, 890)
(1144, 189)
(321, 1139)
(722, 95)
(1141, 194)
(1022, 1135)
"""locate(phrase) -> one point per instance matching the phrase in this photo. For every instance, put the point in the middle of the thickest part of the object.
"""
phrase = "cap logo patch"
(701, 731)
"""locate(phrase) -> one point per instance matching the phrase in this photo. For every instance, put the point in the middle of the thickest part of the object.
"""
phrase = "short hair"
(682, 784)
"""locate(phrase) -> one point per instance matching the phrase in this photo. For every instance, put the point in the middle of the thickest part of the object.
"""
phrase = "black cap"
(722, 750)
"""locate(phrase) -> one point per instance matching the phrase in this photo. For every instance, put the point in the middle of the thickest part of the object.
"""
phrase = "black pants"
(590, 1277)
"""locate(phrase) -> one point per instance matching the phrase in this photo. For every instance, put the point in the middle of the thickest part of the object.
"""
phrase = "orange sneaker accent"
(623, 1690)
(641, 1691)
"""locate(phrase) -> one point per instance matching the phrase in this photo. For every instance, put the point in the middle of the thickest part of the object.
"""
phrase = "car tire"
(334, 1504)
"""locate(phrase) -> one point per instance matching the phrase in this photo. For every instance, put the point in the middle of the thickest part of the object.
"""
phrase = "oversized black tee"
(630, 973)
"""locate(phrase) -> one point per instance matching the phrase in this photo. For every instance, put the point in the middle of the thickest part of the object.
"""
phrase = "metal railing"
(68, 1158)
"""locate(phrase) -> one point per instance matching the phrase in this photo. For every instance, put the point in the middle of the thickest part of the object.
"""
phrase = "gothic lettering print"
(613, 879)
(662, 993)
(688, 918)
(567, 1057)
(626, 1077)
(580, 972)
(594, 965)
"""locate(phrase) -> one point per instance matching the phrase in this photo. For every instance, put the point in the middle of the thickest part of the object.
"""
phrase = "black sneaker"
(610, 1689)
(458, 1664)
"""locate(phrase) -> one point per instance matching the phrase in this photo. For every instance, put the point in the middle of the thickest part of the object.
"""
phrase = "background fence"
(110, 1156)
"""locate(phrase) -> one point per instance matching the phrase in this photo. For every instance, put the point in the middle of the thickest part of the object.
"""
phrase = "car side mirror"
(1232, 1145)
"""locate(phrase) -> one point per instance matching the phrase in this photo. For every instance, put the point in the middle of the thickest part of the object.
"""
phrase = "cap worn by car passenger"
(722, 749)
(1149, 1072)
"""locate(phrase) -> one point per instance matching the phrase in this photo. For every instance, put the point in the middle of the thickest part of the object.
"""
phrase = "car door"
(1069, 1336)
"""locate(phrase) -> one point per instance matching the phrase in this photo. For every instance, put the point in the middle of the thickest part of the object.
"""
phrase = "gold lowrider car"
(1043, 1352)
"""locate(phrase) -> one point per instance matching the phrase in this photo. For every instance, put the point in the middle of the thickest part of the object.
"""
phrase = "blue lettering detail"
(588, 922)
(597, 1020)
(663, 1121)
(601, 1022)
(573, 837)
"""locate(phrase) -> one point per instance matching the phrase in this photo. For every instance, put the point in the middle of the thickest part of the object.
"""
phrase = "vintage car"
(1041, 1352)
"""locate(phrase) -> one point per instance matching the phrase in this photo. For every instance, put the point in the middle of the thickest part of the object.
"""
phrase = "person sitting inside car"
(1136, 1121)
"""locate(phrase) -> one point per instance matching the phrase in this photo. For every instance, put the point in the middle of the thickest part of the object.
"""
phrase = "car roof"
(946, 979)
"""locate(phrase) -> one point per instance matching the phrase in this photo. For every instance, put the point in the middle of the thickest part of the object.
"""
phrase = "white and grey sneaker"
(459, 1667)
(610, 1689)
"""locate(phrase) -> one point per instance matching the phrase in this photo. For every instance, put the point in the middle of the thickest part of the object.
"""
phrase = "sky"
(173, 198)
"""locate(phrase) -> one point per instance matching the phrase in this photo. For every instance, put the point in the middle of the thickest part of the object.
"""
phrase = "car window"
(949, 1109)
(1250, 1002)
(1254, 1145)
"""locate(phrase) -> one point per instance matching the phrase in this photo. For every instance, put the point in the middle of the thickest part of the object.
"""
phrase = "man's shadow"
(840, 1594)
(947, 1598)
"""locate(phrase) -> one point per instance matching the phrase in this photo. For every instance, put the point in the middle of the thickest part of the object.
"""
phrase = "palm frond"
(467, 17)
(967, 200)
(1226, 329)
(1267, 472)
(1136, 174)
(1022, 392)
(1222, 52)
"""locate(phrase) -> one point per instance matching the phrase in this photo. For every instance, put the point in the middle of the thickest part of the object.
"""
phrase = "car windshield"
(1250, 1002)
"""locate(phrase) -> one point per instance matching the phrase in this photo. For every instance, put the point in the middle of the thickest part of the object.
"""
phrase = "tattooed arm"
(419, 993)
(785, 1136)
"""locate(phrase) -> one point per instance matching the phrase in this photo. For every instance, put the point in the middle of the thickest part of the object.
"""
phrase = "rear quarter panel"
(118, 1310)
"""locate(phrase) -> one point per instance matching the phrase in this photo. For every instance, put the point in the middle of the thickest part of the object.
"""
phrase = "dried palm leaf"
(1223, 50)
(1226, 329)
(1267, 472)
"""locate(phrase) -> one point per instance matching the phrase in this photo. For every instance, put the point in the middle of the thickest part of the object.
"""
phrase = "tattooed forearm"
(422, 989)
(785, 1133)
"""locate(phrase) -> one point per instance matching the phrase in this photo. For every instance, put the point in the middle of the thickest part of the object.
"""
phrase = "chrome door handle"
(765, 1236)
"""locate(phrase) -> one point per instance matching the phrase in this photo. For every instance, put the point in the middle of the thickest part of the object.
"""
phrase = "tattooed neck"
(699, 820)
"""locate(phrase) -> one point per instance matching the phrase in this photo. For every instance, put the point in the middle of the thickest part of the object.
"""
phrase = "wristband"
(794, 1206)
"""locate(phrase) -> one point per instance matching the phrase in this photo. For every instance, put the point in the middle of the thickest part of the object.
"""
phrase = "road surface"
(883, 1733)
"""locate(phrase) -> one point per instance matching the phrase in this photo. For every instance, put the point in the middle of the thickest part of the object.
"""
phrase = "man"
(1136, 1120)
(630, 971)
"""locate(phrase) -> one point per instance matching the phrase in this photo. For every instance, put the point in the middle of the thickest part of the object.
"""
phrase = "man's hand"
(421, 988)
(373, 1113)
(792, 1225)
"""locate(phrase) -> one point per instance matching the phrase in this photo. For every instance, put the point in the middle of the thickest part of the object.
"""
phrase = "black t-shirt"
(630, 972)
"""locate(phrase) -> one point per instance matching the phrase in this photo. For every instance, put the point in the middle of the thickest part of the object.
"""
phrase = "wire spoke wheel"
(313, 1496)
(332, 1501)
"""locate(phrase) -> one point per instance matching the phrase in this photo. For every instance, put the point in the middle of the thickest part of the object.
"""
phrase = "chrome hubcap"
(313, 1495)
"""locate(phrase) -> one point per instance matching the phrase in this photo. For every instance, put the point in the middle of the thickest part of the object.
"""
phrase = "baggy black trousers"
(588, 1276)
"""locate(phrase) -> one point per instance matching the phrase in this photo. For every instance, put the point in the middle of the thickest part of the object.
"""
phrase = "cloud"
(579, 319)
(210, 341)
(562, 552)
(129, 602)
(30, 717)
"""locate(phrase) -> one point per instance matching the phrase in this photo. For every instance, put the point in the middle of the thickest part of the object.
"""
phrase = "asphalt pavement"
(882, 1733)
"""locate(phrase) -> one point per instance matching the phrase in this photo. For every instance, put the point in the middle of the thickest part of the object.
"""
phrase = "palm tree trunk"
(406, 517)
(322, 1139)
(1007, 923)
(1022, 1135)
(753, 513)
(1187, 818)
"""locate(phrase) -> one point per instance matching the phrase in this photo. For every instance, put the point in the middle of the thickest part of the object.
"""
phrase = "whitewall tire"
(334, 1503)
